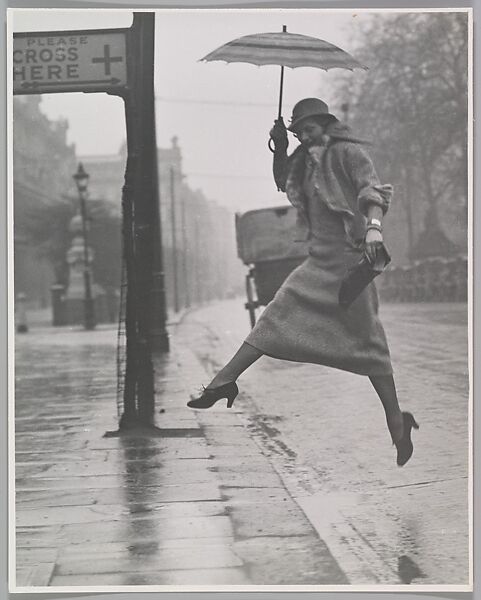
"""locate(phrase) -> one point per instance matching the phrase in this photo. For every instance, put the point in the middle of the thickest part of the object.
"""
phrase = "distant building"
(106, 176)
(198, 235)
(107, 172)
(43, 164)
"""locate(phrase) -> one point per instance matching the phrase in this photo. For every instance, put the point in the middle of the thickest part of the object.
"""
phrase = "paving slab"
(231, 477)
(95, 513)
(265, 561)
(179, 509)
(212, 557)
(37, 555)
(249, 449)
(105, 470)
(39, 575)
(194, 492)
(152, 528)
(194, 577)
(273, 519)
(106, 548)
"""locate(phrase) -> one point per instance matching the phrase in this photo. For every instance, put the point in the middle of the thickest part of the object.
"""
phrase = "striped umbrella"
(284, 49)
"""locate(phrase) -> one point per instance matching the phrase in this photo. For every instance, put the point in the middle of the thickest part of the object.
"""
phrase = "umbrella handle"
(280, 93)
(270, 146)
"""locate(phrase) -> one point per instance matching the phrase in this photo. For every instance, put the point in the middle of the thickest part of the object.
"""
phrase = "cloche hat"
(308, 107)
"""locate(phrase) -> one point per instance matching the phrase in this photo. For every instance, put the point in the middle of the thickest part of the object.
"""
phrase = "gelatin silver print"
(240, 250)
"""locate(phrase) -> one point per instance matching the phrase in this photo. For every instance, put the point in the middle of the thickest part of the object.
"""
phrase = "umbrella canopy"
(284, 49)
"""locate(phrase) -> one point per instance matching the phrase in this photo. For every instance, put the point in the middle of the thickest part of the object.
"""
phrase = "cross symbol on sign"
(107, 59)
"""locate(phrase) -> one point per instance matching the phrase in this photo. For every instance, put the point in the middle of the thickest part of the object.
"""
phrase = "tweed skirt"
(304, 322)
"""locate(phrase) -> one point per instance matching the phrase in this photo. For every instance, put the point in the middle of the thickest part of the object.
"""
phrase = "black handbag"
(359, 276)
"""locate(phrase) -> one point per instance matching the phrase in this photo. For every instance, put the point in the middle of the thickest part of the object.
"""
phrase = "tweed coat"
(344, 178)
(332, 188)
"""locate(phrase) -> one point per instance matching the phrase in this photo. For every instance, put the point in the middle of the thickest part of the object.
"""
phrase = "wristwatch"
(374, 224)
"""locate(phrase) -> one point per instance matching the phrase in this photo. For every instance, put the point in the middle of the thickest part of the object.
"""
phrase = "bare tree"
(413, 103)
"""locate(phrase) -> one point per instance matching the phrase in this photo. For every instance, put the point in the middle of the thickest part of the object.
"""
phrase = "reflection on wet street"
(296, 485)
(408, 570)
(324, 431)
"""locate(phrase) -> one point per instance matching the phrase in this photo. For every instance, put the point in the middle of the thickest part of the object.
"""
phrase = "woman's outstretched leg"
(224, 383)
(242, 360)
(399, 423)
(386, 390)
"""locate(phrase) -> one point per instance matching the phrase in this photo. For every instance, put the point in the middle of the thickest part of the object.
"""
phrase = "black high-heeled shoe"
(210, 396)
(405, 446)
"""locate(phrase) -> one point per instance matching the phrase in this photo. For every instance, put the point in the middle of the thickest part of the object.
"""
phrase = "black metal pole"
(145, 292)
(145, 198)
(129, 416)
(174, 239)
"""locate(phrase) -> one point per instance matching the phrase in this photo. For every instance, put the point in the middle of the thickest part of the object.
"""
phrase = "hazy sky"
(220, 113)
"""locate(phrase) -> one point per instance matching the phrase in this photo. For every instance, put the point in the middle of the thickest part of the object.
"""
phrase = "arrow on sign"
(36, 84)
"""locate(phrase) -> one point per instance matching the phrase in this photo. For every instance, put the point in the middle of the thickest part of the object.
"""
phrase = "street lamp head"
(81, 178)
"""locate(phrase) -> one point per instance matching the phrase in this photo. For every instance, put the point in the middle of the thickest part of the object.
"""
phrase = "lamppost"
(81, 178)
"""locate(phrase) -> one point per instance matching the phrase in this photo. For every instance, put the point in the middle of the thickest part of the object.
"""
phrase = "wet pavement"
(199, 506)
(324, 433)
(296, 485)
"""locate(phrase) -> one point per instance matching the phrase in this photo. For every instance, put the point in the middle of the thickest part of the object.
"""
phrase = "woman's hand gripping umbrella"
(286, 50)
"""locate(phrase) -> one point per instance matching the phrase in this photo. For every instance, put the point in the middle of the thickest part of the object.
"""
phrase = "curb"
(272, 535)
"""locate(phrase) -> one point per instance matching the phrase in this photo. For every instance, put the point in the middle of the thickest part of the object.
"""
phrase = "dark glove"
(361, 274)
(278, 135)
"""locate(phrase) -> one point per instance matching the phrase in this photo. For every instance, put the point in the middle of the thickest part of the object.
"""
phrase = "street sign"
(121, 62)
(70, 61)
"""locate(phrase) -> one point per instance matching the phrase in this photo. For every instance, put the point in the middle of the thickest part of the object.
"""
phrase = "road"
(324, 432)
